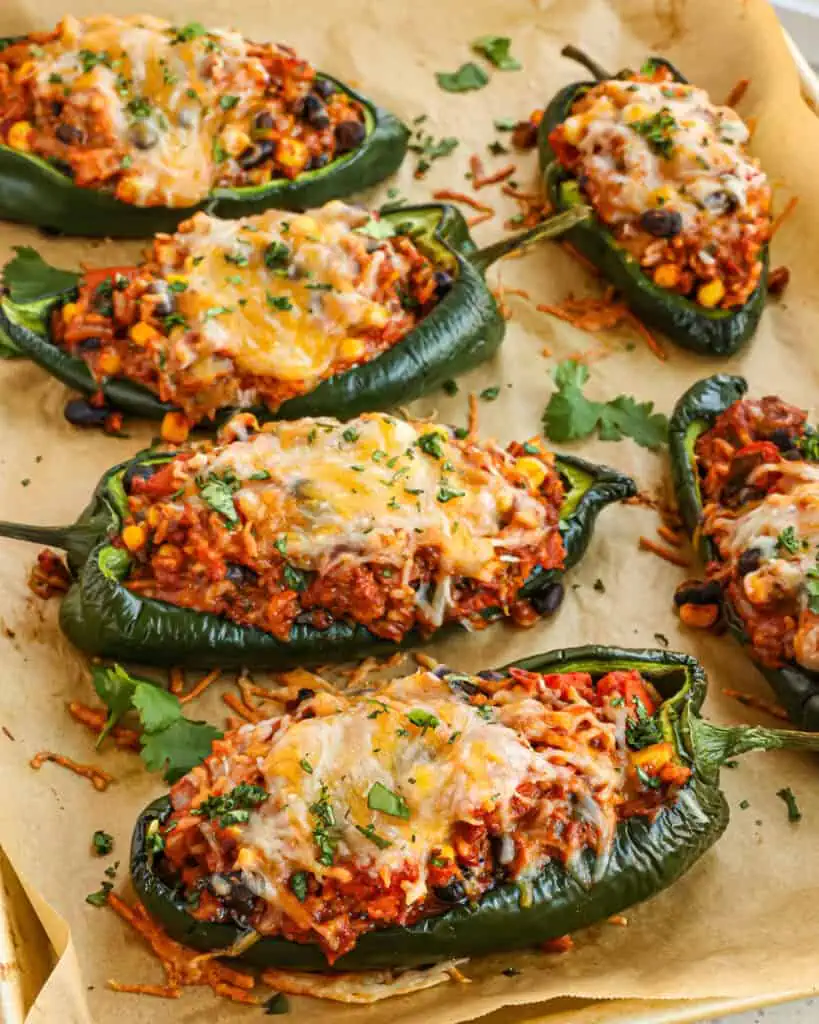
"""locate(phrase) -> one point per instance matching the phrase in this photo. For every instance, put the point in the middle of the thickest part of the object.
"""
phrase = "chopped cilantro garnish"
(219, 495)
(490, 394)
(431, 444)
(193, 30)
(103, 843)
(469, 76)
(228, 102)
(294, 579)
(658, 130)
(496, 50)
(234, 807)
(788, 541)
(298, 885)
(370, 833)
(99, 898)
(644, 730)
(794, 814)
(305, 766)
(323, 836)
(276, 256)
(280, 302)
(423, 719)
(446, 494)
(382, 799)
(350, 435)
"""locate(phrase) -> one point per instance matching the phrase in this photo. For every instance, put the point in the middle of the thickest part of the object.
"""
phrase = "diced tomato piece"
(157, 485)
(94, 278)
(560, 682)
(629, 686)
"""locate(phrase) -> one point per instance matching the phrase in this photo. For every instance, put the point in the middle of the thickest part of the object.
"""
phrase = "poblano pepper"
(646, 855)
(462, 330)
(716, 331)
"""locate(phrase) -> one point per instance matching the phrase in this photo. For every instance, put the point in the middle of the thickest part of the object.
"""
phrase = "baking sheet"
(745, 923)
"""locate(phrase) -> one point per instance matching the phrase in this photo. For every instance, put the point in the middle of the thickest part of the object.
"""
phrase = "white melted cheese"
(139, 60)
(290, 320)
(458, 769)
(791, 513)
(367, 490)
(706, 160)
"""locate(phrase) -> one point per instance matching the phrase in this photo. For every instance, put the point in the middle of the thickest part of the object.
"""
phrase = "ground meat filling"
(668, 173)
(252, 312)
(161, 114)
(759, 479)
(346, 813)
(380, 522)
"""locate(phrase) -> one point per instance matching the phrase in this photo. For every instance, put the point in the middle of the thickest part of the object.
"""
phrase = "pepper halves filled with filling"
(161, 115)
(759, 479)
(351, 813)
(390, 524)
(251, 311)
(668, 174)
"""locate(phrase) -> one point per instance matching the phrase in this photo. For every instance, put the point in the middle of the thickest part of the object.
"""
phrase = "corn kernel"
(351, 348)
(26, 69)
(375, 316)
(178, 278)
(127, 190)
(291, 153)
(69, 312)
(635, 112)
(133, 537)
(141, 333)
(19, 136)
(234, 140)
(710, 294)
(572, 130)
(662, 195)
(666, 275)
(532, 469)
(153, 515)
(175, 428)
(303, 225)
(109, 362)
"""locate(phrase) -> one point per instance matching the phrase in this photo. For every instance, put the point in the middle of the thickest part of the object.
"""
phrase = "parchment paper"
(745, 921)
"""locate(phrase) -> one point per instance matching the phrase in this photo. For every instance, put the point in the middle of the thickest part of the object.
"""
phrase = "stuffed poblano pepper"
(682, 211)
(443, 814)
(746, 472)
(312, 540)
(124, 126)
(331, 312)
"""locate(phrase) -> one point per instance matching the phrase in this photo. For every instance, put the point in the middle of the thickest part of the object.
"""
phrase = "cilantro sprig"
(170, 742)
(570, 416)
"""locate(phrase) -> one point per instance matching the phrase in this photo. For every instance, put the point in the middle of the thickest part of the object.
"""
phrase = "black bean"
(318, 161)
(256, 154)
(783, 439)
(491, 675)
(324, 87)
(546, 602)
(70, 134)
(239, 574)
(313, 111)
(81, 413)
(138, 471)
(749, 561)
(661, 223)
(263, 121)
(698, 592)
(453, 892)
(792, 455)
(89, 345)
(143, 135)
(349, 135)
(720, 201)
(240, 902)
(305, 693)
(462, 684)
(57, 108)
(443, 283)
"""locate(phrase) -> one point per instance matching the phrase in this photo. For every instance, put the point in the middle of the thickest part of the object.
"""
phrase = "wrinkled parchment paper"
(745, 921)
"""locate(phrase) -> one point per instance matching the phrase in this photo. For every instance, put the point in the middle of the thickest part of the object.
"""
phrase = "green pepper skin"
(101, 617)
(796, 688)
(686, 323)
(32, 191)
(645, 857)
(464, 329)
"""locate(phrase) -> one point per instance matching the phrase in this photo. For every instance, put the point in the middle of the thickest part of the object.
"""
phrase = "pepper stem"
(716, 744)
(576, 54)
(550, 228)
(54, 536)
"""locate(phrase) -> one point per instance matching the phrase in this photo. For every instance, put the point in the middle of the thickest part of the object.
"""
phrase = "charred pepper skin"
(796, 688)
(645, 857)
(686, 323)
(101, 617)
(464, 329)
(32, 191)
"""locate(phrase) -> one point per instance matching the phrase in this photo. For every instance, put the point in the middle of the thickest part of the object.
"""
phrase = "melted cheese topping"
(459, 767)
(374, 489)
(280, 294)
(625, 131)
(784, 529)
(141, 70)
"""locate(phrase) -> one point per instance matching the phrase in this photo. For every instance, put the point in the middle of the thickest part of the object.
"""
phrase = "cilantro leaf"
(103, 843)
(382, 799)
(469, 76)
(29, 278)
(496, 50)
(570, 416)
(169, 740)
(178, 748)
(378, 229)
(787, 794)
(219, 495)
